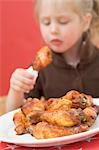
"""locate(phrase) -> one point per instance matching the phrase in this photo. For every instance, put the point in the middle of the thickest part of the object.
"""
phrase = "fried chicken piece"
(58, 117)
(62, 117)
(71, 94)
(70, 114)
(20, 122)
(58, 103)
(22, 118)
(32, 104)
(42, 59)
(34, 116)
(90, 115)
(79, 100)
(82, 101)
(44, 130)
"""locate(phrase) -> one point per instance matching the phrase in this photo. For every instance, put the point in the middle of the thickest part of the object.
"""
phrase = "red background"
(20, 38)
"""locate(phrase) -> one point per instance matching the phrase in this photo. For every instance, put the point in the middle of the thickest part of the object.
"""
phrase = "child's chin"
(58, 49)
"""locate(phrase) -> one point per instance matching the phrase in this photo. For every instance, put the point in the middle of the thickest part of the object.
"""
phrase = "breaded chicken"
(20, 122)
(42, 59)
(58, 103)
(32, 104)
(62, 117)
(90, 115)
(79, 100)
(44, 130)
(70, 114)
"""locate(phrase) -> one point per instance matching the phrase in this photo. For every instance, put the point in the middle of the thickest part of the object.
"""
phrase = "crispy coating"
(70, 114)
(20, 122)
(34, 116)
(42, 59)
(90, 115)
(62, 117)
(79, 100)
(58, 103)
(44, 130)
(71, 94)
(32, 104)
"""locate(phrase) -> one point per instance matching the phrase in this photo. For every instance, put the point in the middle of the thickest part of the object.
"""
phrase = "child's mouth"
(56, 42)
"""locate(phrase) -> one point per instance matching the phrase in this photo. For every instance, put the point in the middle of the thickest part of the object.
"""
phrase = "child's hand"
(22, 81)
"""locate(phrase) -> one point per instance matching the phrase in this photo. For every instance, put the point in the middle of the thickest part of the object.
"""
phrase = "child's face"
(60, 26)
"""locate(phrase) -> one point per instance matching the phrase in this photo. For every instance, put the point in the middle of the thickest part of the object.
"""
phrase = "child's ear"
(87, 21)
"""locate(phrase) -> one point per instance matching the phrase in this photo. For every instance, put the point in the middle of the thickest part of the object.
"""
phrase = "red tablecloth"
(88, 144)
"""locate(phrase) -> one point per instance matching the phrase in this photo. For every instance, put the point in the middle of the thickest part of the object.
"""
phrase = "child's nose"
(54, 28)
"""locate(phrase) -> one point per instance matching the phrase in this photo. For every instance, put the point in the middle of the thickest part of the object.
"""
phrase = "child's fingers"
(24, 80)
(21, 80)
(23, 73)
(20, 86)
(22, 76)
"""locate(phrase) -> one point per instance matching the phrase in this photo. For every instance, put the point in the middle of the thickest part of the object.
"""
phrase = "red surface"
(89, 144)
(20, 38)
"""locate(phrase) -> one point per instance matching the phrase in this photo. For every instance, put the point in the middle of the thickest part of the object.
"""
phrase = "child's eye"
(46, 22)
(63, 22)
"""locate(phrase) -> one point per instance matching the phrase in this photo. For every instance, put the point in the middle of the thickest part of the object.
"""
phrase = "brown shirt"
(59, 77)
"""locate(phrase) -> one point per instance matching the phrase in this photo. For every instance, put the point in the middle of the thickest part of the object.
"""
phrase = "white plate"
(7, 134)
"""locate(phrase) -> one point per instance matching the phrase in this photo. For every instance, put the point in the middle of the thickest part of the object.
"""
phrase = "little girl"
(65, 27)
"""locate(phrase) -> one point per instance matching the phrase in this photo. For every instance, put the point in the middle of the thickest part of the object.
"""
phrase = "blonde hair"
(83, 7)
